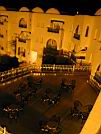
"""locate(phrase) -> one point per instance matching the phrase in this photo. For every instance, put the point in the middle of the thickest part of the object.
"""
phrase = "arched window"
(77, 29)
(22, 23)
(51, 43)
(87, 31)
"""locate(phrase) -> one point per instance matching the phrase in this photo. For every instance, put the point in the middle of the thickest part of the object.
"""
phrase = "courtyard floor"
(34, 111)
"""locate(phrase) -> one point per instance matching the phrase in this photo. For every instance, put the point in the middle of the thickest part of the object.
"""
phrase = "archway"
(50, 52)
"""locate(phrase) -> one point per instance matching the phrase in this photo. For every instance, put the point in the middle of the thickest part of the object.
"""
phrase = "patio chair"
(75, 111)
(85, 112)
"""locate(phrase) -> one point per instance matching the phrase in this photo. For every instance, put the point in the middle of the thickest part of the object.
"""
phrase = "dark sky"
(64, 6)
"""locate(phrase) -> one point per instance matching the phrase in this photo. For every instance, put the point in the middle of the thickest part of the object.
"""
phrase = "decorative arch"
(98, 12)
(2, 8)
(51, 43)
(22, 23)
(37, 10)
(52, 11)
(24, 9)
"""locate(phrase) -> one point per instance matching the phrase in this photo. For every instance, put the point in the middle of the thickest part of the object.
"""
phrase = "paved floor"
(35, 110)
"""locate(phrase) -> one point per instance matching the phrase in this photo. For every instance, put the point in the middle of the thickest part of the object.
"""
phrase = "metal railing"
(94, 83)
(21, 71)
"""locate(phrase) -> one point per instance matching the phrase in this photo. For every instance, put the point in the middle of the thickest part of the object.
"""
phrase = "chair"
(75, 111)
(85, 112)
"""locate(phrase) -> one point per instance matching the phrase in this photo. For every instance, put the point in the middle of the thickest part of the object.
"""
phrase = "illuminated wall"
(22, 32)
(95, 44)
(50, 26)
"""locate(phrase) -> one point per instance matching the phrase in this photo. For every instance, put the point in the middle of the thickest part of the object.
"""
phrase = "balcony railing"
(54, 30)
(39, 70)
(76, 36)
(23, 25)
(97, 77)
(22, 40)
(95, 84)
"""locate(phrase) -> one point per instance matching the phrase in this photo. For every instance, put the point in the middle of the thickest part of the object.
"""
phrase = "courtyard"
(35, 110)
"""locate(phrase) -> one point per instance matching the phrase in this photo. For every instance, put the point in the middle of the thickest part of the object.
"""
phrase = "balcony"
(76, 36)
(23, 25)
(54, 30)
(22, 40)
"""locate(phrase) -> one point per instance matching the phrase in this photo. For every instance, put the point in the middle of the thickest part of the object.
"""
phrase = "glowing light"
(33, 57)
(77, 12)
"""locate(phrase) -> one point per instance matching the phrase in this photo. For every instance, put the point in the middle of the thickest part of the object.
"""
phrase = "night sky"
(64, 6)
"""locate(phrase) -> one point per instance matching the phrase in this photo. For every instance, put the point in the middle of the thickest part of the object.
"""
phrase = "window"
(22, 23)
(18, 50)
(24, 53)
(24, 36)
(3, 19)
(77, 29)
(55, 26)
(87, 31)
(2, 48)
(95, 34)
(76, 34)
(1, 35)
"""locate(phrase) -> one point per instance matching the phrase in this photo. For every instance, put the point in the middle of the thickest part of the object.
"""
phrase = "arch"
(24, 9)
(2, 8)
(52, 11)
(37, 10)
(22, 23)
(87, 31)
(51, 43)
(98, 12)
